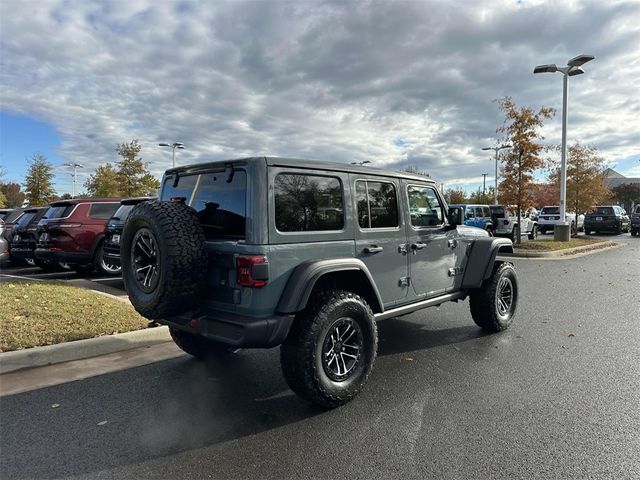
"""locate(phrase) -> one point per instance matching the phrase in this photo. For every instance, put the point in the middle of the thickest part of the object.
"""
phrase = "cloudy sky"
(393, 82)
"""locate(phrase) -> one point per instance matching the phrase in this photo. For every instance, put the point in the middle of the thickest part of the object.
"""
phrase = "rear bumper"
(21, 253)
(607, 225)
(234, 330)
(80, 258)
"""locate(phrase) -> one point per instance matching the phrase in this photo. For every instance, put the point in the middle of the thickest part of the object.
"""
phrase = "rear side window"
(637, 210)
(550, 210)
(103, 211)
(59, 212)
(308, 203)
(498, 212)
(377, 204)
(486, 211)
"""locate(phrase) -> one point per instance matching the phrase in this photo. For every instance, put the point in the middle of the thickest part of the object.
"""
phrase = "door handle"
(373, 249)
(418, 245)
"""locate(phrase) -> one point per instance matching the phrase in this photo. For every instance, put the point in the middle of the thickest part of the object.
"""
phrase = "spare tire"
(163, 259)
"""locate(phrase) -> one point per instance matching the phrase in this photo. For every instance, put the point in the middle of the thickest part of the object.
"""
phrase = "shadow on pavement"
(151, 411)
(400, 336)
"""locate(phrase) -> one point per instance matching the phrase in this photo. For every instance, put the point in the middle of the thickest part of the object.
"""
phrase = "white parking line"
(4, 275)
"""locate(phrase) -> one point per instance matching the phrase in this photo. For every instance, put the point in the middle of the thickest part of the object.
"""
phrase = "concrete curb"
(567, 252)
(79, 349)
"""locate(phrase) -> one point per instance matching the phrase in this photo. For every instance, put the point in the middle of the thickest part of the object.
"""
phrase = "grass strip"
(44, 313)
(549, 245)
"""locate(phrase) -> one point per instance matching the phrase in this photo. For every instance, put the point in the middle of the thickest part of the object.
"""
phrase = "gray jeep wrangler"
(261, 252)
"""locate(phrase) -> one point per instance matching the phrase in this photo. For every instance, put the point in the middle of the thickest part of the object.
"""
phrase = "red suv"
(72, 232)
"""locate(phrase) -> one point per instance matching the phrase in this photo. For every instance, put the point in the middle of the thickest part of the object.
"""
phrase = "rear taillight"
(252, 270)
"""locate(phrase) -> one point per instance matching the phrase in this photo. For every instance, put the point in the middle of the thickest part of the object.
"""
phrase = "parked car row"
(82, 234)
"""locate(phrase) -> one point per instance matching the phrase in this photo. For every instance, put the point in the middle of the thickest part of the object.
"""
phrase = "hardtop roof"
(299, 163)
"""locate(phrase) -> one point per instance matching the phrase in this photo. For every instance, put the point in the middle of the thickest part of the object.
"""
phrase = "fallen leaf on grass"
(409, 359)
(18, 317)
(100, 424)
(55, 405)
(571, 335)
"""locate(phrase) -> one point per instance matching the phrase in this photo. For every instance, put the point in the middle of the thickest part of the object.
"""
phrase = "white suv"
(505, 222)
(549, 217)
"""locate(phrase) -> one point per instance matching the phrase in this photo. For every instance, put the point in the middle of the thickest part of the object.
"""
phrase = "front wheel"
(331, 348)
(533, 234)
(494, 304)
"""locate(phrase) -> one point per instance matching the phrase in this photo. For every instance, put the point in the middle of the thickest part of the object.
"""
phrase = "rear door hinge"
(404, 281)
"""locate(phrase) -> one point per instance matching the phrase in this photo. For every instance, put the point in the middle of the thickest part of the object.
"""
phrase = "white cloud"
(317, 80)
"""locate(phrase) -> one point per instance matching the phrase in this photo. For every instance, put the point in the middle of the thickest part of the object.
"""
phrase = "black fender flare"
(482, 256)
(296, 293)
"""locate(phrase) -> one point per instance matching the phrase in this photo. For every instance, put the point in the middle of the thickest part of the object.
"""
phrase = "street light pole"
(484, 186)
(572, 69)
(496, 149)
(74, 175)
(173, 146)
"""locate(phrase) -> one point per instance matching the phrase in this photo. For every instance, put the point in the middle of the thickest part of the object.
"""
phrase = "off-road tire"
(533, 234)
(200, 347)
(97, 262)
(181, 259)
(484, 301)
(301, 353)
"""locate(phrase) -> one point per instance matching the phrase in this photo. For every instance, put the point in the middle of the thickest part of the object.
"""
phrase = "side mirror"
(455, 217)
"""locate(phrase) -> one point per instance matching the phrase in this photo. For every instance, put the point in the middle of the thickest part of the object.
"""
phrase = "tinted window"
(59, 212)
(469, 212)
(377, 204)
(123, 212)
(637, 210)
(479, 213)
(26, 218)
(424, 207)
(486, 211)
(220, 200)
(550, 211)
(307, 203)
(103, 211)
(603, 211)
(498, 212)
(183, 189)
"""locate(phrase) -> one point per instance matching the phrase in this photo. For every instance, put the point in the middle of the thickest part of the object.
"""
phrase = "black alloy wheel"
(145, 260)
(341, 349)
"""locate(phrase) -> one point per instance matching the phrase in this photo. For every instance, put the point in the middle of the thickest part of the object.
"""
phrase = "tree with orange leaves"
(521, 130)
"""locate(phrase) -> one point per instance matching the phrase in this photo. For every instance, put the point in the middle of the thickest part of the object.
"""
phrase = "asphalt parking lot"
(555, 396)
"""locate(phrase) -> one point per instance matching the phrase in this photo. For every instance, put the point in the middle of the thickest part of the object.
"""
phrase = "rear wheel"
(494, 304)
(104, 266)
(533, 234)
(331, 348)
